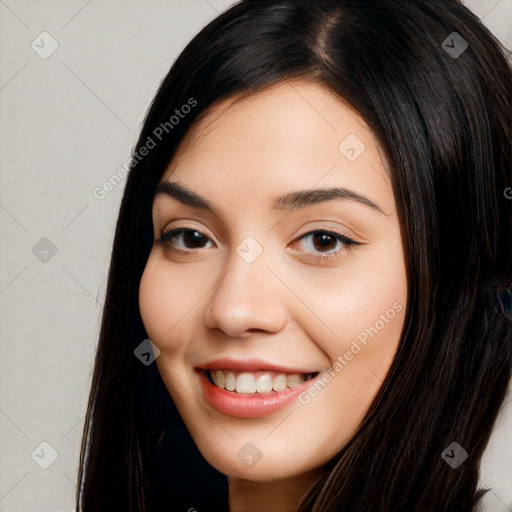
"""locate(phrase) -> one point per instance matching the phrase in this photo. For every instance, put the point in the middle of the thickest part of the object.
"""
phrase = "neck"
(271, 496)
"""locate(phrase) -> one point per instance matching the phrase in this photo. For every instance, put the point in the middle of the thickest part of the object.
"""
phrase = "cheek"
(366, 309)
(168, 297)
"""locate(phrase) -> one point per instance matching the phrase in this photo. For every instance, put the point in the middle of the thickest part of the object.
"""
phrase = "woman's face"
(276, 286)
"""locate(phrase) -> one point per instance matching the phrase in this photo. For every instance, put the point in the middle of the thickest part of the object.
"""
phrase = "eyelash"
(348, 243)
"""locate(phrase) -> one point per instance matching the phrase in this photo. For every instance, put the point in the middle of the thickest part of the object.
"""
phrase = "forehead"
(291, 133)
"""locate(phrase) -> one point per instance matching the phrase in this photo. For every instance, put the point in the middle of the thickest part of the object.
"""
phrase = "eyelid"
(331, 225)
(340, 236)
(168, 229)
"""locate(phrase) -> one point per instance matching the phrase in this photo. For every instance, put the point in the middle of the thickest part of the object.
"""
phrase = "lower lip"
(243, 405)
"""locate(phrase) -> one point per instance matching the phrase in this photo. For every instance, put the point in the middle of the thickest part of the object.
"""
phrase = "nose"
(246, 299)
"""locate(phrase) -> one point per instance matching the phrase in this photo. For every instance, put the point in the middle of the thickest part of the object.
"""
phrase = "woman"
(315, 238)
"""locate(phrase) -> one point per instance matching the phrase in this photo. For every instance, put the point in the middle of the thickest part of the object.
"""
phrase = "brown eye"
(325, 243)
(185, 238)
(193, 239)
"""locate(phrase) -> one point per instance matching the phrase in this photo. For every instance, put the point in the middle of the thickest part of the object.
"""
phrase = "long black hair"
(434, 85)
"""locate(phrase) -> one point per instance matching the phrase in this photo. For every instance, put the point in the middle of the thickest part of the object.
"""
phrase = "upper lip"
(250, 365)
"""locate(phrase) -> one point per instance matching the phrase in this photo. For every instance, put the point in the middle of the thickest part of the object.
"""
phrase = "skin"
(289, 306)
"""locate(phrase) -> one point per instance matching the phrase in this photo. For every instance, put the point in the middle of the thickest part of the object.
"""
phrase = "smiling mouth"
(260, 382)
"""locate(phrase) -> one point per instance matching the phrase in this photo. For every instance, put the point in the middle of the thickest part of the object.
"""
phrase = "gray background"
(68, 122)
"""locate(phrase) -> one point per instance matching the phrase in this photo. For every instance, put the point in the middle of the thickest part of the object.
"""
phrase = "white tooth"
(213, 375)
(245, 383)
(221, 379)
(280, 382)
(264, 384)
(294, 380)
(230, 381)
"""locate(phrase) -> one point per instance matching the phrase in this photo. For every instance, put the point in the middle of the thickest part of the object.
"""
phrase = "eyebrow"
(288, 202)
